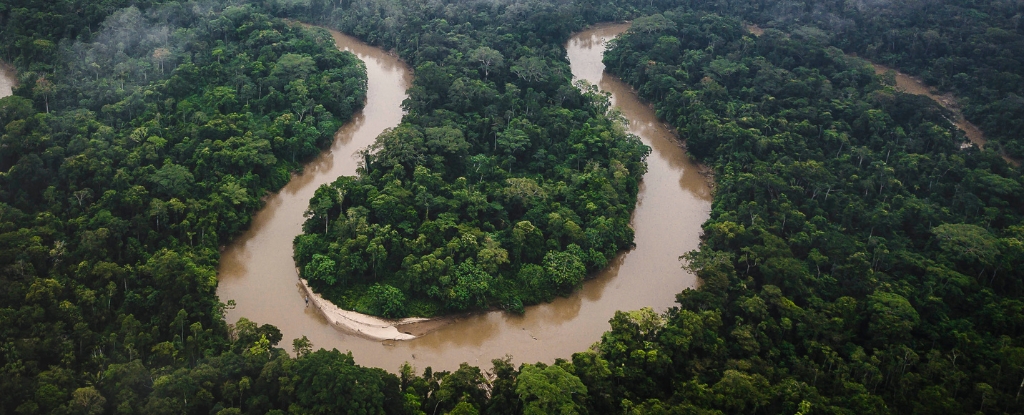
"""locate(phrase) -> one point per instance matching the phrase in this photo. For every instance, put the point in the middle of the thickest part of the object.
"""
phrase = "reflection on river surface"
(257, 270)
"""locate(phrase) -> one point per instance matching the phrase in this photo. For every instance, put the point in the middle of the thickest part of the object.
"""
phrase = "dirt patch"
(754, 29)
(8, 80)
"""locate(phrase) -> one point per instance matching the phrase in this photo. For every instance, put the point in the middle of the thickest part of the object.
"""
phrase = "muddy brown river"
(257, 270)
(915, 86)
(912, 85)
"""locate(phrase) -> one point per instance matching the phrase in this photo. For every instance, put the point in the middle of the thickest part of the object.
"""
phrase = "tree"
(464, 408)
(487, 58)
(321, 268)
(470, 286)
(385, 300)
(330, 382)
(740, 392)
(465, 385)
(292, 66)
(302, 346)
(531, 68)
(653, 23)
(549, 390)
(565, 269)
(172, 180)
(44, 88)
(87, 401)
(968, 243)
(160, 55)
(892, 317)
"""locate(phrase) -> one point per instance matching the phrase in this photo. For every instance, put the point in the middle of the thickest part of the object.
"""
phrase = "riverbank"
(915, 86)
(257, 270)
(370, 327)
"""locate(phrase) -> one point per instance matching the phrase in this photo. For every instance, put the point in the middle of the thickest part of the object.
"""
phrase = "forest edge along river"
(914, 86)
(258, 273)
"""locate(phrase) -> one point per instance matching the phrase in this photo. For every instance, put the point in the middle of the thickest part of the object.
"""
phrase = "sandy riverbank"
(371, 327)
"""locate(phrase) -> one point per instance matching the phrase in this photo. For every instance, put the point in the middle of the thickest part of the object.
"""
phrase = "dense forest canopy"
(857, 259)
(504, 186)
(856, 256)
(973, 49)
(126, 160)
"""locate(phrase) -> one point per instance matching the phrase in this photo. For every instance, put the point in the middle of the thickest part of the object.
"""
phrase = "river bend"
(257, 270)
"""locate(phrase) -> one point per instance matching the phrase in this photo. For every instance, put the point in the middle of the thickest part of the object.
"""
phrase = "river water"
(257, 270)
(914, 86)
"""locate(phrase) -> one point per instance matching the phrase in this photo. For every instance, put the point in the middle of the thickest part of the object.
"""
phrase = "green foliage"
(968, 243)
(321, 268)
(385, 300)
(855, 250)
(564, 269)
(970, 49)
(330, 382)
(130, 155)
(549, 390)
(500, 165)
(856, 260)
(892, 318)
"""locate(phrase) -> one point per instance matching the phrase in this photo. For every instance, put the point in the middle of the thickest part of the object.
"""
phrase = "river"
(915, 86)
(257, 270)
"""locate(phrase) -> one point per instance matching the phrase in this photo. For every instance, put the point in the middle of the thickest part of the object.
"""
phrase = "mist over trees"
(127, 160)
(857, 259)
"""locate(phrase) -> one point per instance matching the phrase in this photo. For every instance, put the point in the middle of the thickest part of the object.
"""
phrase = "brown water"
(258, 273)
(7, 81)
(912, 85)
(915, 86)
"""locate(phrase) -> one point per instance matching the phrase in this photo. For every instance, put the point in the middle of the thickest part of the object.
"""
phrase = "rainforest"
(860, 253)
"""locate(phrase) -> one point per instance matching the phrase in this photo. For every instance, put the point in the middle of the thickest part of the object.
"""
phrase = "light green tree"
(549, 390)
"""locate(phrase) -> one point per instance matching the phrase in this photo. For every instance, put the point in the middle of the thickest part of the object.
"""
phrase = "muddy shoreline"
(371, 327)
